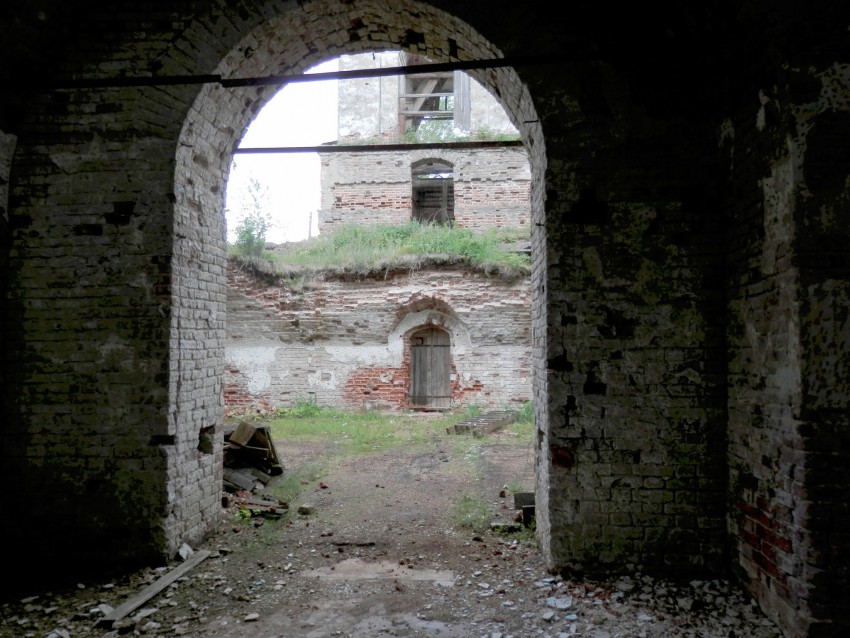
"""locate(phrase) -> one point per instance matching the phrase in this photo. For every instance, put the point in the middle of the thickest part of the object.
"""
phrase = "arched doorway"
(147, 330)
(216, 121)
(430, 369)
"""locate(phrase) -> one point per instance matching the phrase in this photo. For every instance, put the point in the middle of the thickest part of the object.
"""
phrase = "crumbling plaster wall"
(346, 343)
(789, 340)
(368, 107)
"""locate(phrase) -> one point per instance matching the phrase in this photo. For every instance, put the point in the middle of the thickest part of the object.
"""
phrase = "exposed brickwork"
(785, 440)
(323, 343)
(491, 188)
(378, 388)
(388, 388)
(688, 206)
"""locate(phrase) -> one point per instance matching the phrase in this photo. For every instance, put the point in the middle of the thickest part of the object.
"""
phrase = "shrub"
(251, 234)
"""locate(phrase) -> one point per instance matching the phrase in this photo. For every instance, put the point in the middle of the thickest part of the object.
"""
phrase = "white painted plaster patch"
(382, 355)
(323, 379)
(253, 362)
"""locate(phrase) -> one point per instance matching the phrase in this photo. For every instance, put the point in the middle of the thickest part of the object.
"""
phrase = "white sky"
(300, 114)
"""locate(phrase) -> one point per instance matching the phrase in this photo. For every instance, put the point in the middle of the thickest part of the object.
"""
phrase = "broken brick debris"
(258, 506)
(484, 424)
(152, 590)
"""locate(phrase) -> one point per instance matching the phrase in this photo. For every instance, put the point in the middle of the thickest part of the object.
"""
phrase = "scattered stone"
(253, 617)
(625, 584)
(144, 613)
(564, 602)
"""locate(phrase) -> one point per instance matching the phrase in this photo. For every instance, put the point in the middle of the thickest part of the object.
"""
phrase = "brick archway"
(292, 40)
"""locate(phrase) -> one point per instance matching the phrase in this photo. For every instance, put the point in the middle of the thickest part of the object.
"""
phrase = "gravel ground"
(380, 550)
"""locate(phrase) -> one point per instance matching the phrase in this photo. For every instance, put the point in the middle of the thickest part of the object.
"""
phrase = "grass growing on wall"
(367, 249)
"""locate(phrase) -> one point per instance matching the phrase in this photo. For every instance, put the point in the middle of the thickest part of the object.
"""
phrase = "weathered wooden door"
(430, 369)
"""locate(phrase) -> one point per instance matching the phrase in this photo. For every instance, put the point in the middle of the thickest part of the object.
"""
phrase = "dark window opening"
(432, 96)
(433, 192)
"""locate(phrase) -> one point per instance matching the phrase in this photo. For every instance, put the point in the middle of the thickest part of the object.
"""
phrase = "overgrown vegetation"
(255, 220)
(368, 431)
(472, 512)
(431, 131)
(525, 414)
(343, 433)
(251, 235)
(364, 250)
(353, 432)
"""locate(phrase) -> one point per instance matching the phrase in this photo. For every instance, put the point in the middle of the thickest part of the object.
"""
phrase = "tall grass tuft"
(472, 512)
(367, 248)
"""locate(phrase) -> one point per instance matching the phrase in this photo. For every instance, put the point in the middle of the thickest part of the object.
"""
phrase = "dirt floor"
(380, 550)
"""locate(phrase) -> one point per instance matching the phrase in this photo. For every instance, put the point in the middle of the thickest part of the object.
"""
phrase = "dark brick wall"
(688, 202)
(788, 340)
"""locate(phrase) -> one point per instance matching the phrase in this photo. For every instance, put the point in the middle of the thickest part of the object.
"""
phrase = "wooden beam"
(153, 589)
(373, 148)
(280, 80)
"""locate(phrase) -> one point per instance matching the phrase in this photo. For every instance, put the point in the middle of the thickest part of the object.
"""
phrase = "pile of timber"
(250, 458)
(484, 424)
(257, 506)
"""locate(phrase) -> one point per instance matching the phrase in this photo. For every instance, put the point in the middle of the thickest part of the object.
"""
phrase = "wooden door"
(430, 369)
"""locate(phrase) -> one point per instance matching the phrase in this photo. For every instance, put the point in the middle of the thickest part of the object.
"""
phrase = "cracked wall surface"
(346, 343)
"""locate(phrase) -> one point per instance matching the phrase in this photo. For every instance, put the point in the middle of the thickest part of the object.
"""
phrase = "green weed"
(525, 414)
(290, 486)
(517, 486)
(472, 512)
(352, 432)
(366, 248)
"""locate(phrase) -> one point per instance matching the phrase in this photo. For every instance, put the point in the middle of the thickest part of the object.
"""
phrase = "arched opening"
(210, 136)
(430, 369)
(433, 194)
(148, 377)
(681, 305)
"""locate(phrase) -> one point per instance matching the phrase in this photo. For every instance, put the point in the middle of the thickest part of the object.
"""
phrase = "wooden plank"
(430, 85)
(153, 589)
(273, 465)
(412, 95)
(242, 434)
(261, 476)
(523, 499)
(239, 479)
(259, 502)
